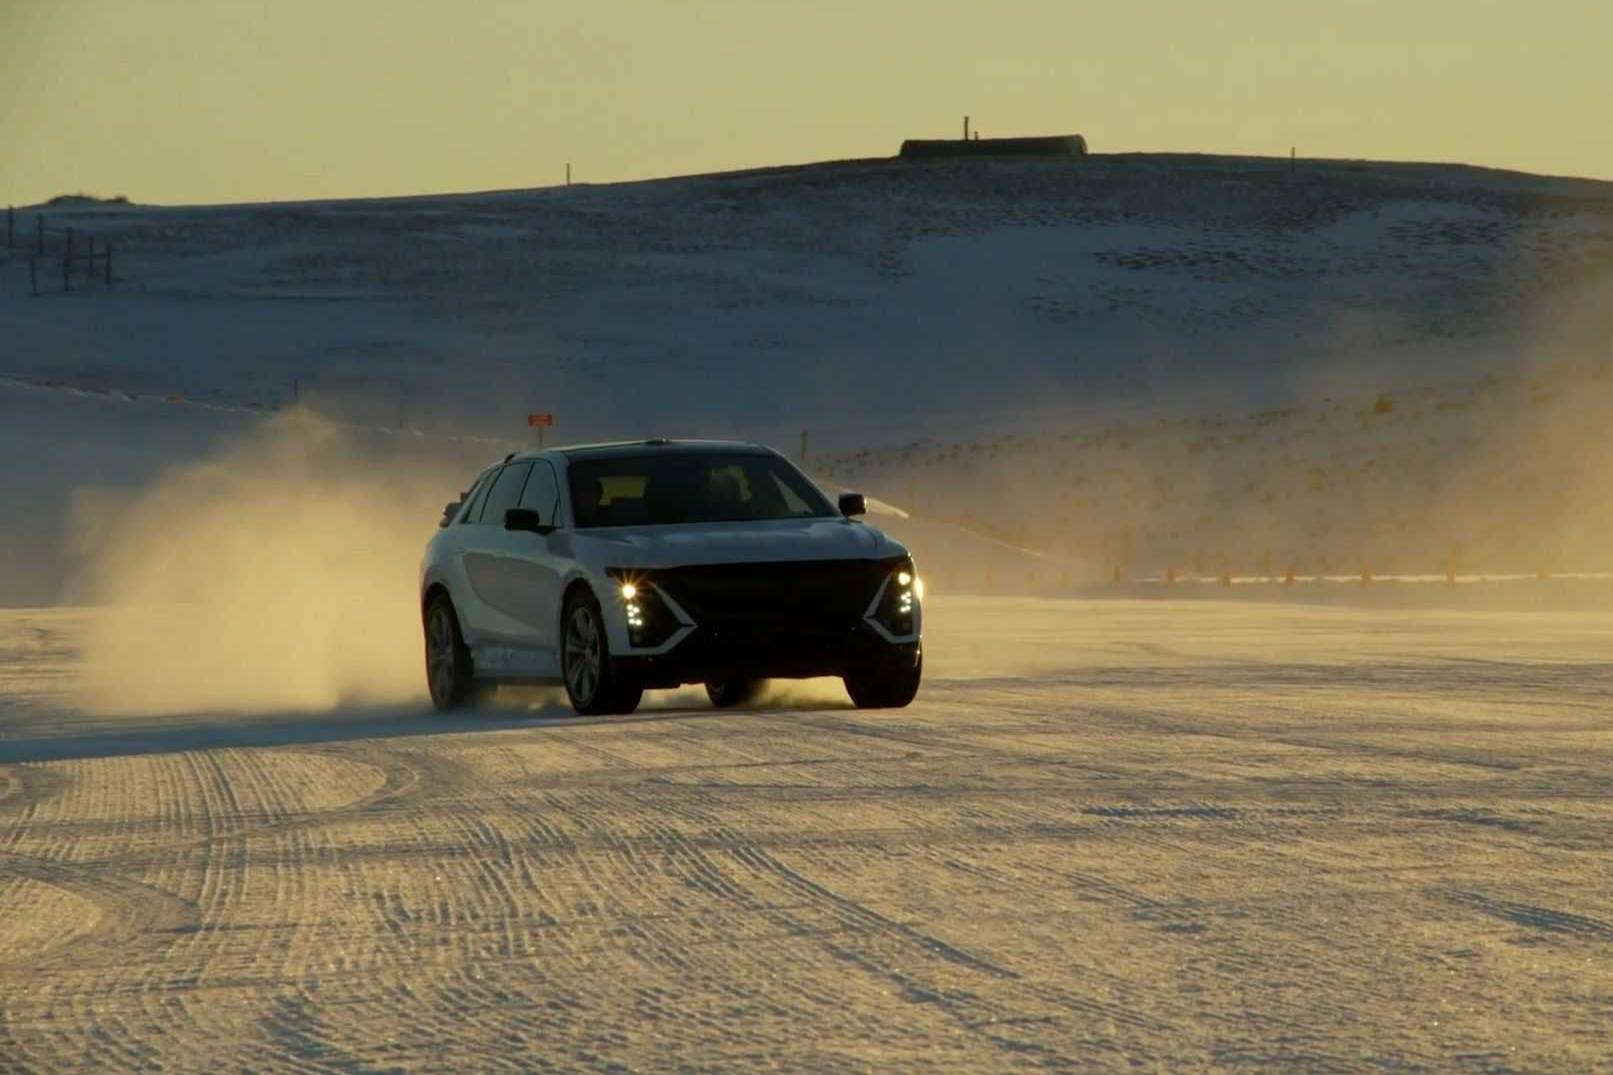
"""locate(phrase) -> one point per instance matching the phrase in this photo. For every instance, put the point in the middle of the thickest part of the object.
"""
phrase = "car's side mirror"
(526, 519)
(853, 504)
(449, 510)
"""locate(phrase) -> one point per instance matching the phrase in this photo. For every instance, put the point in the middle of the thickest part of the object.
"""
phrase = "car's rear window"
(667, 488)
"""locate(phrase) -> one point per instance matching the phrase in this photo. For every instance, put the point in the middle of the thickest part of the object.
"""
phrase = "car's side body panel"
(514, 588)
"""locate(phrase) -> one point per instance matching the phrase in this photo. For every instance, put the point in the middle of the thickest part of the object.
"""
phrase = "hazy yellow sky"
(234, 100)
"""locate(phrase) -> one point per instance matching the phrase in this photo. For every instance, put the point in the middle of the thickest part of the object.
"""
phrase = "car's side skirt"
(494, 660)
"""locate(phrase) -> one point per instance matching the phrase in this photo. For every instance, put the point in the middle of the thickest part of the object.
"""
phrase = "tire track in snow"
(1097, 877)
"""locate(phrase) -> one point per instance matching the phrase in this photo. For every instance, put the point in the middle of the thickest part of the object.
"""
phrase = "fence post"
(89, 272)
(108, 263)
(39, 227)
(33, 272)
(67, 262)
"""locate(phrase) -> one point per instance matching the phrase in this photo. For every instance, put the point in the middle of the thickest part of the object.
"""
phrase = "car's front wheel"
(592, 682)
(891, 685)
(448, 670)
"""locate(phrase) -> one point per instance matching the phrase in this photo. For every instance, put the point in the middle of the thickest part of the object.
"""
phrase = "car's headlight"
(898, 609)
(649, 621)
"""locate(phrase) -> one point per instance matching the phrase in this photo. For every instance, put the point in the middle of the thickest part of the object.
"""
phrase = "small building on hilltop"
(1063, 145)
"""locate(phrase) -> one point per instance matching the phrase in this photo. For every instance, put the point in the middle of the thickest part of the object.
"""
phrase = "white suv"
(616, 568)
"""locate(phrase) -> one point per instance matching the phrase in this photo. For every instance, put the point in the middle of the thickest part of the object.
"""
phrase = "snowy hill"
(877, 304)
(859, 290)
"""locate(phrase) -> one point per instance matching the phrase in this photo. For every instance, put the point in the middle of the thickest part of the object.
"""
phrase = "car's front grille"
(801, 593)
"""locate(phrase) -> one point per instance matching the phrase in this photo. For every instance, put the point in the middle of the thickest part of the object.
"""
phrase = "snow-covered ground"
(1109, 835)
(875, 304)
(831, 295)
(1491, 475)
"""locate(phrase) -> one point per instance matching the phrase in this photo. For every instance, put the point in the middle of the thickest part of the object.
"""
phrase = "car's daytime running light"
(898, 609)
(629, 591)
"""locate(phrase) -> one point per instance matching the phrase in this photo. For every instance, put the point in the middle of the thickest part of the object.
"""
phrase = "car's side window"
(542, 492)
(504, 494)
(472, 506)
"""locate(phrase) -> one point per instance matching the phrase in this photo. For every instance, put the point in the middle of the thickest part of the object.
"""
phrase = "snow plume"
(1443, 449)
(279, 574)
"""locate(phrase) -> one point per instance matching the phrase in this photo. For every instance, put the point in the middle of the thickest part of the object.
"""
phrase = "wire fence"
(60, 259)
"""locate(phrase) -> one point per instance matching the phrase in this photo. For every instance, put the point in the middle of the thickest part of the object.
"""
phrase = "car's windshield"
(661, 488)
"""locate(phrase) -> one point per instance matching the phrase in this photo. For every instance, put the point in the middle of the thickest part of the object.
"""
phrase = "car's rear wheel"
(890, 685)
(592, 682)
(727, 693)
(448, 668)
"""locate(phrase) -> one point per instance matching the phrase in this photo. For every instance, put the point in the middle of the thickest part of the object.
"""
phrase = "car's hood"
(735, 543)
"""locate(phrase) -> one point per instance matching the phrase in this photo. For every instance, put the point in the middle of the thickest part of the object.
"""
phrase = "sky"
(195, 101)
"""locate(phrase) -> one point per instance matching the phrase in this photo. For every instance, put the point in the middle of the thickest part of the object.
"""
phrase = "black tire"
(892, 685)
(728, 693)
(593, 684)
(448, 667)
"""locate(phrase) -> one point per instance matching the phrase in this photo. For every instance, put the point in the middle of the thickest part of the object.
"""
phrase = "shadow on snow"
(196, 732)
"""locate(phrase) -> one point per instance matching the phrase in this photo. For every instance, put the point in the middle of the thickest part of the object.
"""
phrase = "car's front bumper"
(711, 654)
(789, 620)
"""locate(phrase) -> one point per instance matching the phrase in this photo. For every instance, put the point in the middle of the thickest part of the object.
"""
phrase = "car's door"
(534, 573)
(514, 578)
(493, 635)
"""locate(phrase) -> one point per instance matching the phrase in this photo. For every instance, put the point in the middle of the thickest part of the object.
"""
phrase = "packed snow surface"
(1109, 835)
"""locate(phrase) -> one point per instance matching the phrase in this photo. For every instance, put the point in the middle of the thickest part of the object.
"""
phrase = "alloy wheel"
(582, 654)
(441, 654)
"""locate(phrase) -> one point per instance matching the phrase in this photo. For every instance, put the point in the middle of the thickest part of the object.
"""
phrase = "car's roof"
(616, 449)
